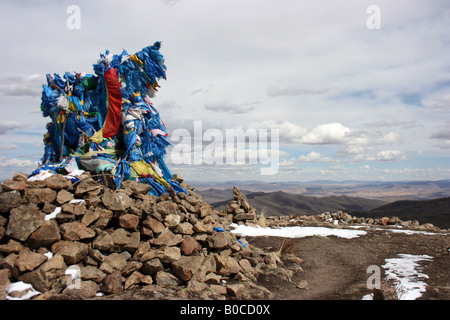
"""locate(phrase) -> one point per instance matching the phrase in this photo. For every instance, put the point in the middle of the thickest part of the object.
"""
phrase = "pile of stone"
(342, 219)
(81, 240)
(240, 208)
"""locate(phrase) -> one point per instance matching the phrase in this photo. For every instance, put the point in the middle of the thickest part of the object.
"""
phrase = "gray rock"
(112, 283)
(75, 231)
(165, 279)
(9, 200)
(24, 220)
(28, 260)
(58, 182)
(40, 195)
(116, 201)
(185, 267)
(72, 251)
(152, 266)
(92, 273)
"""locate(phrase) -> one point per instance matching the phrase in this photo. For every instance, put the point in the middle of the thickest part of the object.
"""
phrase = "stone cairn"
(83, 240)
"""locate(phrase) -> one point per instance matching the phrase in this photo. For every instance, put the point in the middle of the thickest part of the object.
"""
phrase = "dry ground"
(336, 268)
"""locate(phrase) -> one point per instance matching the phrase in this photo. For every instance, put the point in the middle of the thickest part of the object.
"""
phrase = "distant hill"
(388, 191)
(436, 211)
(280, 203)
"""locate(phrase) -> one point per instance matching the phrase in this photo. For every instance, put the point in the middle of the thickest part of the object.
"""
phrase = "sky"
(334, 90)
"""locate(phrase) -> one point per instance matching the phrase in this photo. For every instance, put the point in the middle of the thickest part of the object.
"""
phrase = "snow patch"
(406, 273)
(21, 286)
(295, 232)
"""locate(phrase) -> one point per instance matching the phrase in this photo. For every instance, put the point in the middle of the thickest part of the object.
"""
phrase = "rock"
(75, 209)
(131, 267)
(303, 284)
(167, 238)
(133, 280)
(113, 262)
(45, 276)
(58, 182)
(125, 240)
(40, 195)
(172, 220)
(220, 240)
(152, 266)
(87, 186)
(104, 217)
(23, 221)
(235, 290)
(90, 217)
(272, 259)
(212, 278)
(241, 199)
(63, 196)
(75, 231)
(384, 221)
(394, 220)
(72, 251)
(129, 221)
(9, 200)
(185, 267)
(28, 261)
(12, 185)
(103, 241)
(154, 225)
(168, 254)
(112, 284)
(11, 247)
(201, 227)
(165, 279)
(136, 187)
(5, 275)
(246, 266)
(87, 289)
(92, 273)
(184, 228)
(116, 201)
(189, 246)
(165, 208)
(227, 265)
(245, 216)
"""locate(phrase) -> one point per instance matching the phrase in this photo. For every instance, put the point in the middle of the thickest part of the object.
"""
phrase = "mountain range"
(425, 201)
(388, 191)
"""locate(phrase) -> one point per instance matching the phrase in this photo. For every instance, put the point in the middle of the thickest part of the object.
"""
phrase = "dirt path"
(336, 268)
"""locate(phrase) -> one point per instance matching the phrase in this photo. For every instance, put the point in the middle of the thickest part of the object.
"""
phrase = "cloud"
(387, 155)
(6, 126)
(294, 90)
(442, 133)
(7, 146)
(393, 122)
(21, 85)
(230, 107)
(17, 163)
(201, 90)
(438, 102)
(313, 157)
(331, 133)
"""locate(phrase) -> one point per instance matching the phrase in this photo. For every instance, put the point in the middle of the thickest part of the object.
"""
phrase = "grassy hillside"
(436, 211)
(281, 203)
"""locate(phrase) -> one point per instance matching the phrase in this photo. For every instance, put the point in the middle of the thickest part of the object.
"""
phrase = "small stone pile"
(342, 219)
(78, 240)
